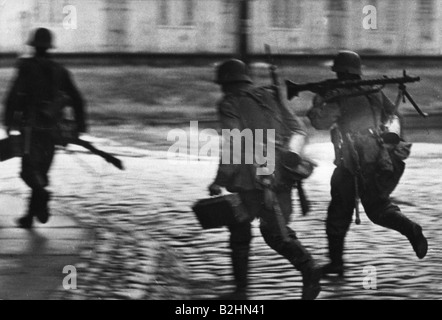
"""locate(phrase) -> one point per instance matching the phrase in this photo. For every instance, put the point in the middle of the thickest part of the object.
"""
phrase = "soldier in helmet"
(245, 106)
(34, 107)
(367, 166)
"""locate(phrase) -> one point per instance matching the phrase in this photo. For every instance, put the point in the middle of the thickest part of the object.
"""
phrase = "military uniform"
(240, 109)
(33, 102)
(366, 167)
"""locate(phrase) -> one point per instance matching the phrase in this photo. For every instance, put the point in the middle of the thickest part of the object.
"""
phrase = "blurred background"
(404, 27)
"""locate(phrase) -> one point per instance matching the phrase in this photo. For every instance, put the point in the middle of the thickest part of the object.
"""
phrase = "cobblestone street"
(147, 243)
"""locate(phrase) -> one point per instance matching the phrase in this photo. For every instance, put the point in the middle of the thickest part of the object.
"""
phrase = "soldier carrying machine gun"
(330, 89)
(369, 162)
(334, 89)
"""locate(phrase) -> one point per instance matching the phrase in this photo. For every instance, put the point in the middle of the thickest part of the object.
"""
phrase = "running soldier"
(34, 107)
(245, 106)
(367, 165)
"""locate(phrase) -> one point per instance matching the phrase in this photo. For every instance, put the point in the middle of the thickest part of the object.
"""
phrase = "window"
(426, 10)
(336, 5)
(176, 12)
(50, 11)
(188, 13)
(392, 19)
(229, 6)
(286, 13)
(164, 13)
(337, 19)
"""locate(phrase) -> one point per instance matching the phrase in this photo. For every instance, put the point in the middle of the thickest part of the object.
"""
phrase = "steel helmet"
(232, 71)
(42, 38)
(348, 62)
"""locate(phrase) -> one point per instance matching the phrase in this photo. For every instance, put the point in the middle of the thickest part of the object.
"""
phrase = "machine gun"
(331, 87)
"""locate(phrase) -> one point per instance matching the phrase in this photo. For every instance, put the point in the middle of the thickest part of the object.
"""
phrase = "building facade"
(404, 27)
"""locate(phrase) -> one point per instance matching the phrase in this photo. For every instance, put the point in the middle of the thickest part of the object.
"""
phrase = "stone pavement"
(32, 262)
(148, 244)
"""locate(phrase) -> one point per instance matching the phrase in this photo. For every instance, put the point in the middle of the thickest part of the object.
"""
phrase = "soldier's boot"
(238, 295)
(311, 278)
(42, 209)
(302, 260)
(240, 263)
(336, 251)
(418, 241)
(27, 221)
(413, 232)
(395, 220)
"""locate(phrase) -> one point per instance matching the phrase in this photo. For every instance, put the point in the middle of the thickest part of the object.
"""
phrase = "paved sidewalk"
(32, 262)
(149, 245)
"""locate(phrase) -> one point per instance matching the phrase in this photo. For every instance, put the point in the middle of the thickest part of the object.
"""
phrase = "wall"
(405, 27)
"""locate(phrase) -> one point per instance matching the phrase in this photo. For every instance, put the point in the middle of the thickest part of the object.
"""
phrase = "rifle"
(327, 86)
(15, 146)
(106, 156)
(67, 133)
(273, 73)
(305, 206)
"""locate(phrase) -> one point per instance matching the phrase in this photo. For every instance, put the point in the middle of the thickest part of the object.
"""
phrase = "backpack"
(48, 115)
(293, 166)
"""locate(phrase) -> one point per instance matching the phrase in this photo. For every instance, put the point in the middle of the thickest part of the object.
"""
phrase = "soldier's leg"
(27, 174)
(240, 239)
(35, 168)
(383, 212)
(290, 247)
(339, 218)
(45, 163)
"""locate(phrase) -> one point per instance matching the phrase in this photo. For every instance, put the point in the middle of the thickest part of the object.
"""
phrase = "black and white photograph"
(201, 152)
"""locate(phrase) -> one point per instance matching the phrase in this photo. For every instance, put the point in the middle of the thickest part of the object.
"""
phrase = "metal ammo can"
(392, 131)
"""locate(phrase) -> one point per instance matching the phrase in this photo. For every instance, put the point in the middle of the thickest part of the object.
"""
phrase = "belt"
(375, 132)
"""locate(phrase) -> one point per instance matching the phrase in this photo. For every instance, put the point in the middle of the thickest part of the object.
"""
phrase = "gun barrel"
(381, 81)
(294, 89)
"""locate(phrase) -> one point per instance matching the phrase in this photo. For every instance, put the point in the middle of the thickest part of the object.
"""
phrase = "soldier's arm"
(323, 115)
(15, 101)
(230, 120)
(294, 123)
(9, 102)
(78, 102)
(389, 107)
